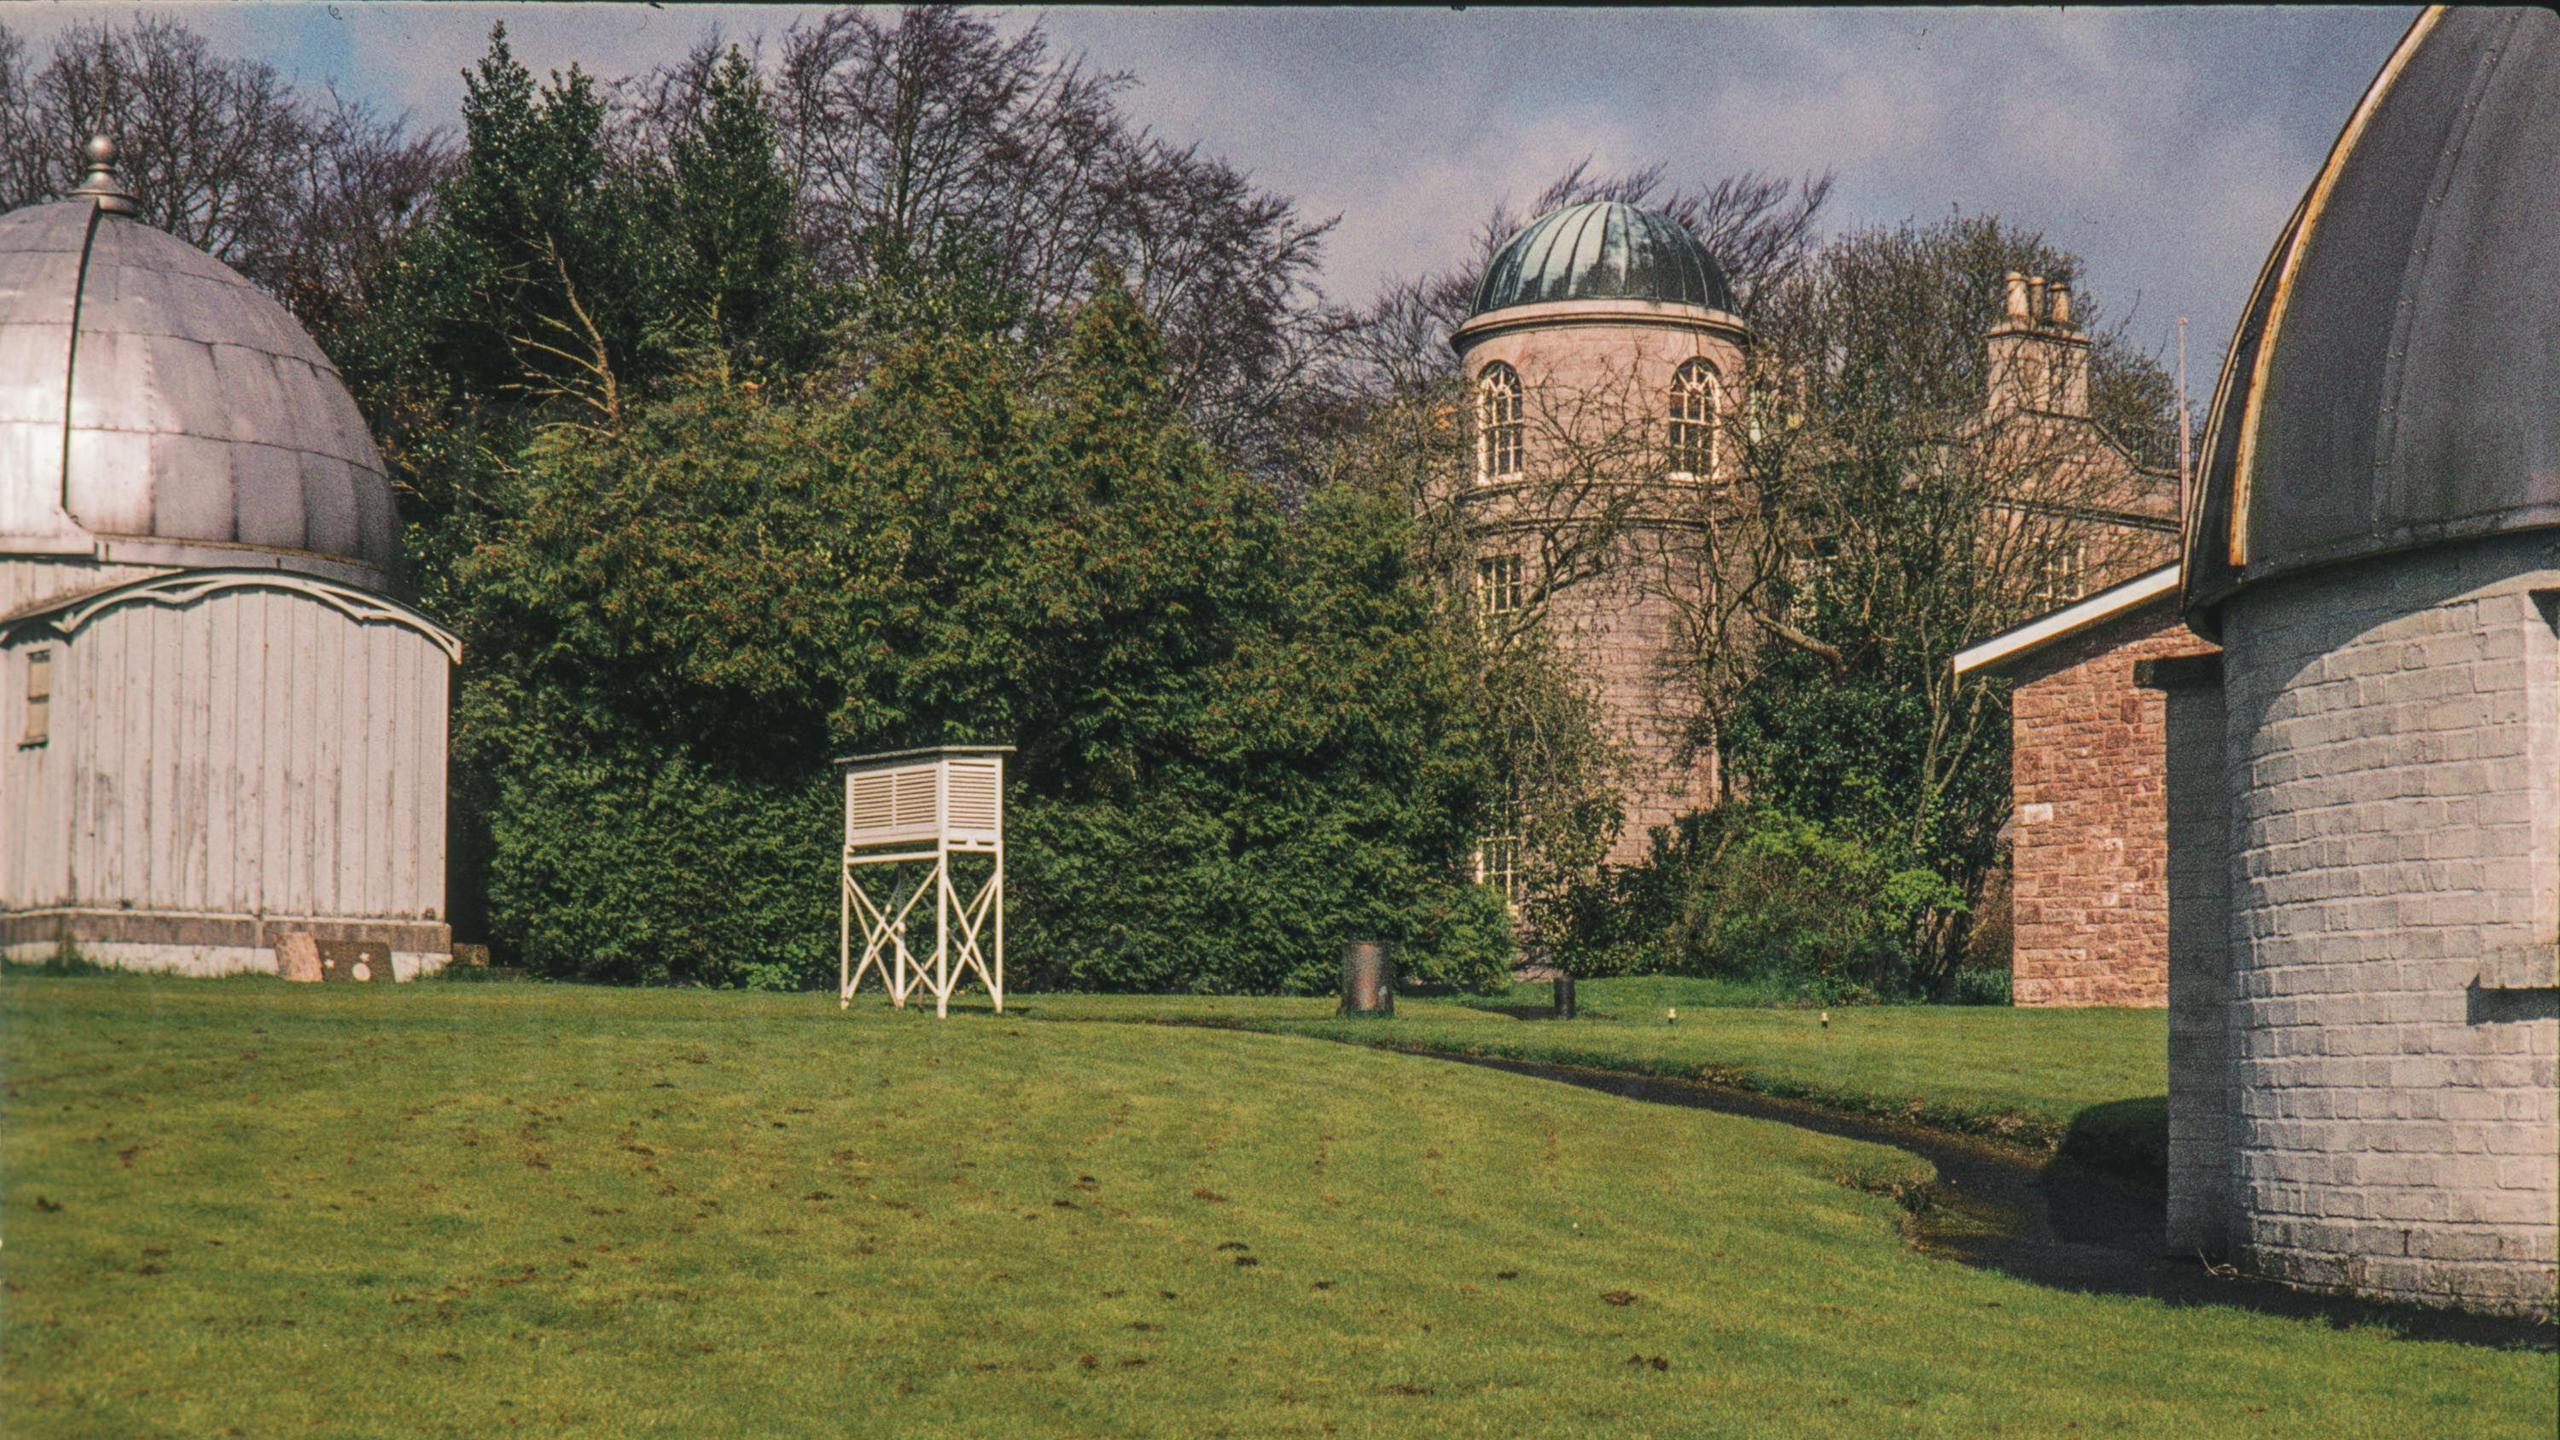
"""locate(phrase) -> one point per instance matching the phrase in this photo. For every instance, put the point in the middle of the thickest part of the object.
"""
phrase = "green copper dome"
(1603, 250)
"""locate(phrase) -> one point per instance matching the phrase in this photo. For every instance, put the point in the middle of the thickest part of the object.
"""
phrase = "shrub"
(1982, 986)
(1749, 890)
(1245, 735)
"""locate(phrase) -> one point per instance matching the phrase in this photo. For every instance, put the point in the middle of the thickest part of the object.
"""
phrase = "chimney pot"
(2061, 304)
(2017, 296)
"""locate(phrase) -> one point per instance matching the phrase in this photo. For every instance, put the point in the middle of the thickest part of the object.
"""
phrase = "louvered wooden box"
(948, 797)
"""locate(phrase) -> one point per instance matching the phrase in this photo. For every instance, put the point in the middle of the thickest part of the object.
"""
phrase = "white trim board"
(2019, 641)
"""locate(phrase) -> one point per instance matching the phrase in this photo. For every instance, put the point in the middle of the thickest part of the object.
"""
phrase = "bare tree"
(1907, 489)
(1562, 768)
(1886, 495)
(1758, 228)
(904, 130)
(305, 196)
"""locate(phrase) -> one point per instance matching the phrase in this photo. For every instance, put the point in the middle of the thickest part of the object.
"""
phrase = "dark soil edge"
(2048, 1221)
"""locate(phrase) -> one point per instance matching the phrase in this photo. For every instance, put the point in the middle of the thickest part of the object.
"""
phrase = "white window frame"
(1696, 395)
(1501, 425)
(1497, 857)
(36, 724)
(1501, 585)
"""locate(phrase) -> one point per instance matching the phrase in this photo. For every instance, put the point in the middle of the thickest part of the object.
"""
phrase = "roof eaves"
(2020, 641)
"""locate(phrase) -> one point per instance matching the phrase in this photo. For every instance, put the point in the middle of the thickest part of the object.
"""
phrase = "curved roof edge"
(2388, 386)
(1608, 310)
(68, 614)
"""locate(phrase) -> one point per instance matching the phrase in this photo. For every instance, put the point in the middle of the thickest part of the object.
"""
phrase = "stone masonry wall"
(1623, 631)
(1597, 379)
(2089, 901)
(2394, 742)
(2200, 1063)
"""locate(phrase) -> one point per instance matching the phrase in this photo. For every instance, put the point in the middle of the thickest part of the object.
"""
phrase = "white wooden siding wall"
(256, 752)
(27, 581)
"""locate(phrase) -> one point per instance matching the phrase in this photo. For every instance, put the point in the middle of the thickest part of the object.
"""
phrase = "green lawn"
(2023, 1075)
(247, 1208)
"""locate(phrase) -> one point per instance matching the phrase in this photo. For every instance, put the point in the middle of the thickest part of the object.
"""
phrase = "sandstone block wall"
(2394, 743)
(2089, 908)
(1597, 377)
(1623, 630)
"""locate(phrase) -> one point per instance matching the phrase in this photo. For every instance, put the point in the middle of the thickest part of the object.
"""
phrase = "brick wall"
(2394, 744)
(2089, 908)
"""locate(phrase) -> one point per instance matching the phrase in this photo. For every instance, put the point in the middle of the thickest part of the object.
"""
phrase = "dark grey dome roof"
(2395, 380)
(190, 420)
(1603, 250)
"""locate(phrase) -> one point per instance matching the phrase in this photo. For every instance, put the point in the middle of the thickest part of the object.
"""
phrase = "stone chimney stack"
(2039, 358)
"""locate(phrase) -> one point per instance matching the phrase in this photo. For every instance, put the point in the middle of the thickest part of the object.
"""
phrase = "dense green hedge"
(1244, 735)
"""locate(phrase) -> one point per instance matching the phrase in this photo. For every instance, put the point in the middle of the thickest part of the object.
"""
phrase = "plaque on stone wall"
(367, 961)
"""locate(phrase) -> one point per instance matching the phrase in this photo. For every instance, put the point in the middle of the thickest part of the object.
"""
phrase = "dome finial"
(102, 184)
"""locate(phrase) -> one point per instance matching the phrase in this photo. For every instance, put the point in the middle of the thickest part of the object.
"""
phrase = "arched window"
(1499, 427)
(1693, 419)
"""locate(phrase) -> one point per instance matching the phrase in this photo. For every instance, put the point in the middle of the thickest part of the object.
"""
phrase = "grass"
(2027, 1076)
(251, 1208)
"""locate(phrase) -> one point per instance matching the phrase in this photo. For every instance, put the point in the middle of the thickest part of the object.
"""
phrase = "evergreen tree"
(737, 264)
(1241, 738)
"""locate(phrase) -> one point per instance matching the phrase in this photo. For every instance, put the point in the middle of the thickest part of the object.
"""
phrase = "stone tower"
(1603, 357)
(2364, 1054)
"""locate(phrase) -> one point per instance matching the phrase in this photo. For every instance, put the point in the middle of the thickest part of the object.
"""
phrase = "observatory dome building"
(1605, 358)
(2365, 994)
(218, 726)
(1603, 355)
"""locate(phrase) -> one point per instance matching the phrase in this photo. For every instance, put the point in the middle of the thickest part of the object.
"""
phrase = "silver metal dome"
(2394, 382)
(1598, 250)
(158, 409)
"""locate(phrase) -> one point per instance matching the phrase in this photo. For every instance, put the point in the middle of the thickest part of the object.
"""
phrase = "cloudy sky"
(2164, 146)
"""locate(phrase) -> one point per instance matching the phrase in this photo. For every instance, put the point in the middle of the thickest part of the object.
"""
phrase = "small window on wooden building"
(39, 726)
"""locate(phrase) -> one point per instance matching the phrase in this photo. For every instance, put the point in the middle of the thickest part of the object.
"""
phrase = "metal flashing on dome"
(101, 183)
(1602, 250)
